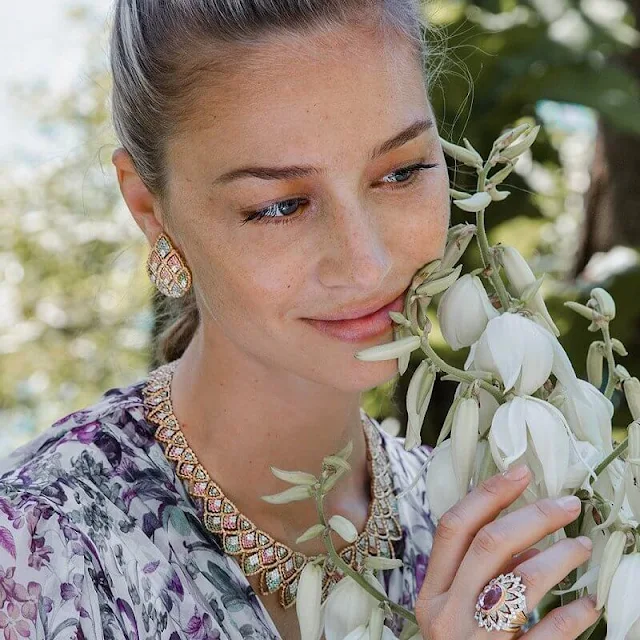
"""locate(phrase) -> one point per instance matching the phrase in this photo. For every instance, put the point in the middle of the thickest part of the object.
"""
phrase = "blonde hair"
(160, 52)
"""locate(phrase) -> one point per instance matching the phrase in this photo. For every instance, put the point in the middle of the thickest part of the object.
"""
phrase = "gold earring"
(167, 270)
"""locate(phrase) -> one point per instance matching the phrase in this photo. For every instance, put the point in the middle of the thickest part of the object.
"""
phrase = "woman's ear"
(138, 198)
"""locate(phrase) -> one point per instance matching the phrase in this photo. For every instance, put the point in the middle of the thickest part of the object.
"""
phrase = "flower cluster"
(518, 399)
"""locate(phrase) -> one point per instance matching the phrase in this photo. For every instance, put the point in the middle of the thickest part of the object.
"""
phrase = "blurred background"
(76, 309)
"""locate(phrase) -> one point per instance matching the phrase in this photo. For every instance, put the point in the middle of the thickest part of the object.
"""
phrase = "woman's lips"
(360, 329)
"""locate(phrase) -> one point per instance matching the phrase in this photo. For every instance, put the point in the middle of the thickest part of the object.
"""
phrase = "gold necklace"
(278, 566)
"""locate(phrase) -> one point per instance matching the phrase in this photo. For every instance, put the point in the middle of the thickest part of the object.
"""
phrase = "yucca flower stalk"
(518, 400)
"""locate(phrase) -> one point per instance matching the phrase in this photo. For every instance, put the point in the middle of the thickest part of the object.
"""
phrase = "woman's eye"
(410, 172)
(283, 212)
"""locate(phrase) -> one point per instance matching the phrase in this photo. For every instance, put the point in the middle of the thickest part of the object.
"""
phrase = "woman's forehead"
(313, 103)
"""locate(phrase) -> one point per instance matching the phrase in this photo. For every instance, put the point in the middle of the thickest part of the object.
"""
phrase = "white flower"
(308, 607)
(578, 472)
(441, 481)
(632, 470)
(623, 605)
(475, 203)
(522, 354)
(589, 416)
(463, 312)
(610, 560)
(348, 606)
(548, 433)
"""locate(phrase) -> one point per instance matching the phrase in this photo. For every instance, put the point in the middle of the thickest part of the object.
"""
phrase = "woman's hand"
(472, 545)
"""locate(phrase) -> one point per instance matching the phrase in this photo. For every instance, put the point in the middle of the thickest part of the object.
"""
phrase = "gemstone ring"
(502, 605)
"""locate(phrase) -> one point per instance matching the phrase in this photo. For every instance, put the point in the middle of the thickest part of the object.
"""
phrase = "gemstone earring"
(167, 270)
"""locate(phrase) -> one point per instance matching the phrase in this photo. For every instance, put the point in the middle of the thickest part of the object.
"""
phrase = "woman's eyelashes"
(284, 211)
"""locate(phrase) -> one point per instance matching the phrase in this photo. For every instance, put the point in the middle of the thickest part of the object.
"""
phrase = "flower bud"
(389, 351)
(632, 488)
(399, 319)
(632, 469)
(470, 158)
(380, 562)
(448, 421)
(459, 195)
(475, 203)
(332, 479)
(608, 565)
(391, 425)
(604, 302)
(294, 477)
(631, 388)
(595, 360)
(500, 176)
(344, 528)
(498, 196)
(417, 400)
(293, 494)
(403, 361)
(471, 148)
(509, 136)
(312, 532)
(440, 284)
(580, 309)
(618, 347)
(520, 276)
(426, 271)
(376, 624)
(464, 441)
(308, 602)
(346, 451)
(518, 148)
(633, 431)
(457, 244)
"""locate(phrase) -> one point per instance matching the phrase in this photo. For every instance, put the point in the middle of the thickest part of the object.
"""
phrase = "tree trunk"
(612, 208)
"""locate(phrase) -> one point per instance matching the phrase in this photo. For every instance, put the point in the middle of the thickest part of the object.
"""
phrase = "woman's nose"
(354, 252)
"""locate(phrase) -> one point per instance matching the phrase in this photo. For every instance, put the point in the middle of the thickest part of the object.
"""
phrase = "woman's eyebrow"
(301, 171)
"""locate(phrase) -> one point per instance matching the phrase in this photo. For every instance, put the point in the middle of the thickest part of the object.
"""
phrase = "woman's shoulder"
(110, 430)
(95, 531)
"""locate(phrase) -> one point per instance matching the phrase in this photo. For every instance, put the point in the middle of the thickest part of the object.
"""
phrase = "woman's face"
(347, 230)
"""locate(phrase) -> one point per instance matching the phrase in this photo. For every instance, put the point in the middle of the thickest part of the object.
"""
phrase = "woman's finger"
(458, 526)
(543, 572)
(520, 558)
(497, 541)
(565, 622)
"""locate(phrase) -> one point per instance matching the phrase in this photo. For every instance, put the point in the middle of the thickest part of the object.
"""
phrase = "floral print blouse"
(100, 540)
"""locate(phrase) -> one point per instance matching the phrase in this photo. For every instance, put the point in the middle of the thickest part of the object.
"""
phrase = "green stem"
(463, 376)
(612, 456)
(485, 250)
(349, 571)
(611, 363)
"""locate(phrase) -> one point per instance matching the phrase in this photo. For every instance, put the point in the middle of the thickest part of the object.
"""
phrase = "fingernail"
(517, 473)
(570, 503)
(585, 541)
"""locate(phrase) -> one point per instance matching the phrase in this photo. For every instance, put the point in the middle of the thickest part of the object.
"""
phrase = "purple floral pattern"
(100, 540)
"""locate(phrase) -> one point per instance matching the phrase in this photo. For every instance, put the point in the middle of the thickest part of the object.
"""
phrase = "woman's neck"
(240, 418)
